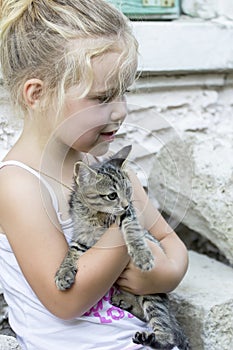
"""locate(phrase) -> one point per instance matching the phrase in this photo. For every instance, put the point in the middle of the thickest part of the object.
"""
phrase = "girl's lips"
(108, 136)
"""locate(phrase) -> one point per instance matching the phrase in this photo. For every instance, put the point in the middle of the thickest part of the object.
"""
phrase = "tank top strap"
(34, 172)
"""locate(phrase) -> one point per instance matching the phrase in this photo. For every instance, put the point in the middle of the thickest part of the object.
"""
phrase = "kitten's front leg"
(135, 241)
(65, 275)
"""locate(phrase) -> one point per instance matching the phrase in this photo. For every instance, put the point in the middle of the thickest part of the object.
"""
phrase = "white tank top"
(103, 327)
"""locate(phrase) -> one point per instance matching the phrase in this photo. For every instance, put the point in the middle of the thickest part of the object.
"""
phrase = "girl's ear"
(32, 92)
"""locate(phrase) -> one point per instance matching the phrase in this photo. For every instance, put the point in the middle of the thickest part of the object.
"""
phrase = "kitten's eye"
(128, 192)
(112, 196)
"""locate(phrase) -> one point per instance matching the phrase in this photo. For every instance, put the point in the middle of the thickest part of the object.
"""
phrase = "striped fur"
(101, 196)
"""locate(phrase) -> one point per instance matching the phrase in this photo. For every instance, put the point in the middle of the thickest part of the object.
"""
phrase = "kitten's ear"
(120, 157)
(83, 172)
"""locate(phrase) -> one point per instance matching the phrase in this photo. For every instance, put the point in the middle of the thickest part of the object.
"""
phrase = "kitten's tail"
(164, 323)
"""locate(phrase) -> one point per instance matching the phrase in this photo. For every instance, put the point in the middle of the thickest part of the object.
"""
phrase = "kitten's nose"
(125, 205)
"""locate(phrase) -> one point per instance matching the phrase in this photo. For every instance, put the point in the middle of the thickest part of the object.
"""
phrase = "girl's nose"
(119, 111)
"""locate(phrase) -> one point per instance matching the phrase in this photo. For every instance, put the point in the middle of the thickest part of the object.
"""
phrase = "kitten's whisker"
(136, 200)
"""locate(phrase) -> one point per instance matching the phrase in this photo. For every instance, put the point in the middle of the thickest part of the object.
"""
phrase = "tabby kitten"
(101, 196)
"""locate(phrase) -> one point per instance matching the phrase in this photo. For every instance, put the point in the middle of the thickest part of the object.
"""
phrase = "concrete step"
(203, 303)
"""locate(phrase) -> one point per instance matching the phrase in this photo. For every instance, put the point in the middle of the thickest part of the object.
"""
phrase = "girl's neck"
(44, 153)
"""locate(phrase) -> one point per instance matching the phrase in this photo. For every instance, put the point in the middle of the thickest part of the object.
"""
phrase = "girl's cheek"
(83, 124)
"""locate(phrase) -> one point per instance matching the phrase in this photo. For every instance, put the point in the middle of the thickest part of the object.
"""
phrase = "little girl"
(67, 65)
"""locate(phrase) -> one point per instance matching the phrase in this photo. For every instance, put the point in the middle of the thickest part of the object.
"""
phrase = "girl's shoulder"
(22, 192)
(15, 177)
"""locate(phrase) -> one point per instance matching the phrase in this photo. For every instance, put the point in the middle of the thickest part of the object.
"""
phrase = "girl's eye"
(112, 196)
(109, 97)
(104, 99)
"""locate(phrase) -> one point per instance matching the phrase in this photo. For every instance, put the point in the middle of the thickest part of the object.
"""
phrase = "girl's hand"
(164, 277)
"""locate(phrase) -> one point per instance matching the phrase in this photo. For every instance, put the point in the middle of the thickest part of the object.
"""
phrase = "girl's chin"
(100, 149)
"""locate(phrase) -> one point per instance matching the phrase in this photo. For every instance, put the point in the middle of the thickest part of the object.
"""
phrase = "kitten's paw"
(118, 301)
(65, 278)
(149, 339)
(144, 338)
(144, 260)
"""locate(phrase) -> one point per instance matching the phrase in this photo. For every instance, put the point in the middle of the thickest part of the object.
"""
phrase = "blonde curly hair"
(37, 41)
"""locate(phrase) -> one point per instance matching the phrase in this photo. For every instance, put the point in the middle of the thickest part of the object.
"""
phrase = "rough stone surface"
(5, 328)
(193, 182)
(3, 307)
(8, 343)
(203, 303)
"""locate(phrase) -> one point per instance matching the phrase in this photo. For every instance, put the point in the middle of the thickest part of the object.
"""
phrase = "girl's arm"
(29, 221)
(171, 259)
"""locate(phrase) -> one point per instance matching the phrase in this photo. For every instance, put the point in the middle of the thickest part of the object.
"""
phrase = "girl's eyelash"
(105, 99)
(109, 98)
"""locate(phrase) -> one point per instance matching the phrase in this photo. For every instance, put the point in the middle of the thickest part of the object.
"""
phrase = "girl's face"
(90, 124)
